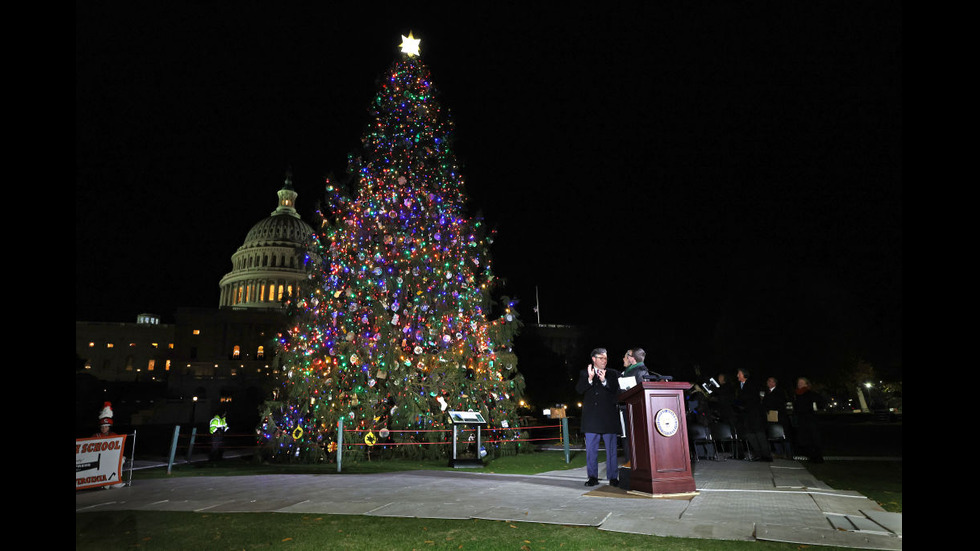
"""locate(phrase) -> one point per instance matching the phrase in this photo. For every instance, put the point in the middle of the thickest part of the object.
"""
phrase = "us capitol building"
(211, 359)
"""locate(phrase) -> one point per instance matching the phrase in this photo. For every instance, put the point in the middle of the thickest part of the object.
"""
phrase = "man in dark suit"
(600, 416)
(751, 418)
(774, 402)
(774, 408)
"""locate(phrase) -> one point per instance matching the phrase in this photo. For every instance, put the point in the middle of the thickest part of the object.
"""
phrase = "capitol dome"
(272, 261)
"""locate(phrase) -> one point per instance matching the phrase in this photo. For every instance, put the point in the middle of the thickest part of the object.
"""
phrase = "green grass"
(172, 531)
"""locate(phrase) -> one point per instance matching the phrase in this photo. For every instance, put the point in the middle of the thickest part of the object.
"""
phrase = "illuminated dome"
(272, 261)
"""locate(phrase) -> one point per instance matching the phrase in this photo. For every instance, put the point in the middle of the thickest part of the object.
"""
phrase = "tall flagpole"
(537, 304)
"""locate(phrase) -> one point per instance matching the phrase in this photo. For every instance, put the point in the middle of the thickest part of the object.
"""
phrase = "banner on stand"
(98, 461)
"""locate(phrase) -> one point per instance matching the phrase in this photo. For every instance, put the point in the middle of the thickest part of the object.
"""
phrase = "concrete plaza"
(734, 500)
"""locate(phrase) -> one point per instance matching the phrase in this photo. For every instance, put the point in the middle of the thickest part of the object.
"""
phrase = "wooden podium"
(656, 422)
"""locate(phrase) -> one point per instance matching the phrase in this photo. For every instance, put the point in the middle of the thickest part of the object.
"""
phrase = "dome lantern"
(287, 198)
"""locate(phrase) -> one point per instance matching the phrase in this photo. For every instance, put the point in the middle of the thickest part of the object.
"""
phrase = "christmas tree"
(394, 328)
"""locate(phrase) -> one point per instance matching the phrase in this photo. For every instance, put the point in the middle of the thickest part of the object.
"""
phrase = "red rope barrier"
(461, 430)
(489, 441)
(206, 444)
(440, 443)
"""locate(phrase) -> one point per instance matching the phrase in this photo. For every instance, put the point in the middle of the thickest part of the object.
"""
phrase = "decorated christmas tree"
(396, 325)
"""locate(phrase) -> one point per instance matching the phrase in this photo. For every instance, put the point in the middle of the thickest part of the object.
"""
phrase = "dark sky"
(666, 171)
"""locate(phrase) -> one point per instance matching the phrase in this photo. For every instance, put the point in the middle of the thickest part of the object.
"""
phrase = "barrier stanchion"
(190, 447)
(564, 437)
(132, 460)
(173, 448)
(340, 442)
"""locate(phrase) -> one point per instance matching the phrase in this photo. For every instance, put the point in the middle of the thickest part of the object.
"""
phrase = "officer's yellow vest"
(217, 423)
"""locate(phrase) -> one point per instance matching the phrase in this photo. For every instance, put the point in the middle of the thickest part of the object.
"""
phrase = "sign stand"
(466, 418)
(132, 460)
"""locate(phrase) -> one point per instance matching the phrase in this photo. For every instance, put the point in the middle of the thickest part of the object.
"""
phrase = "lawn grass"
(171, 531)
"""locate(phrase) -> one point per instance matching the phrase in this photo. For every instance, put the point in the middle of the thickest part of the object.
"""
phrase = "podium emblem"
(666, 421)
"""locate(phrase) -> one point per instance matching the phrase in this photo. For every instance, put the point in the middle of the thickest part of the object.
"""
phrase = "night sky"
(697, 178)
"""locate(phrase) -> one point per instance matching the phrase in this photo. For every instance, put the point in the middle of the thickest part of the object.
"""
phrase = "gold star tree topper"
(410, 45)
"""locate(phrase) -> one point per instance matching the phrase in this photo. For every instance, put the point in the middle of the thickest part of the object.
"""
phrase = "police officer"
(218, 426)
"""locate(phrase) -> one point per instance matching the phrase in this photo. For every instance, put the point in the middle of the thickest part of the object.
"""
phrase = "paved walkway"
(735, 500)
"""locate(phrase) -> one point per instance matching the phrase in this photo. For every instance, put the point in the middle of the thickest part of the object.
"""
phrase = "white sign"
(98, 461)
(467, 418)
